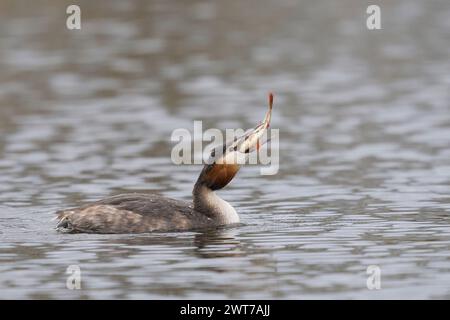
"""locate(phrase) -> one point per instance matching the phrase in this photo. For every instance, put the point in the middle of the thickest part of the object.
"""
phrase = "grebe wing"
(147, 204)
(128, 213)
(143, 204)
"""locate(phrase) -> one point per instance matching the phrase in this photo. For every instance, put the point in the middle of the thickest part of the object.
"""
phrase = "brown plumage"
(216, 176)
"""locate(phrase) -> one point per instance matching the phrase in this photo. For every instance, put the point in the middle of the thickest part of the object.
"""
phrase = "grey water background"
(364, 119)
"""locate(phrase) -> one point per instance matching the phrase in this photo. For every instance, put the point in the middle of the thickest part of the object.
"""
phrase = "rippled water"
(364, 120)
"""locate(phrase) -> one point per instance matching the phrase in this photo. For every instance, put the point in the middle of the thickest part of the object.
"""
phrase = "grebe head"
(223, 163)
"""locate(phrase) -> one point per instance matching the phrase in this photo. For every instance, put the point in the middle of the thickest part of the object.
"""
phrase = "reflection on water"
(364, 132)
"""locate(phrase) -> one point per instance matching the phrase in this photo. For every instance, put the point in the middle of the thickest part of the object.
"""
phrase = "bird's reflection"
(219, 242)
(209, 243)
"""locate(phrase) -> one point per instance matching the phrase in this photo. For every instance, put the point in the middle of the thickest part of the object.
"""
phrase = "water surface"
(364, 120)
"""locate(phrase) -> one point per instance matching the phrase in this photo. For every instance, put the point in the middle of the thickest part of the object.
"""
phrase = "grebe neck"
(210, 204)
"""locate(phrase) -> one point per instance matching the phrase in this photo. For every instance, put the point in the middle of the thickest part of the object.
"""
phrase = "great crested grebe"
(139, 213)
